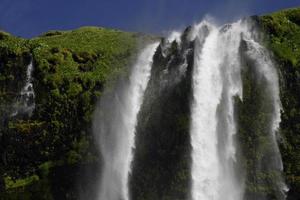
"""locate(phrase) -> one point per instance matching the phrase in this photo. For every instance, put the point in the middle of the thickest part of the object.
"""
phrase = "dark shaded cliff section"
(162, 154)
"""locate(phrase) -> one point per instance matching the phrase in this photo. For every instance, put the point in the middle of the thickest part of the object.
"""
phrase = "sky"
(30, 18)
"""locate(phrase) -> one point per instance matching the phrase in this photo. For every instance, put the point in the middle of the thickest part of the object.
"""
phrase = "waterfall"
(115, 127)
(25, 103)
(217, 82)
(202, 87)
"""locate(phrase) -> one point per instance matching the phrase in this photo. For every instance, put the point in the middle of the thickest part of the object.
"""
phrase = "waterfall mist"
(266, 78)
(25, 103)
(114, 126)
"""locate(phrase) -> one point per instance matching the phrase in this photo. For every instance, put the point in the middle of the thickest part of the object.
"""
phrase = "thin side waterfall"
(25, 103)
(115, 127)
(267, 75)
(217, 82)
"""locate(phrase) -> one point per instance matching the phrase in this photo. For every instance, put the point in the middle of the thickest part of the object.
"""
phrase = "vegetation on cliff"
(283, 38)
(70, 71)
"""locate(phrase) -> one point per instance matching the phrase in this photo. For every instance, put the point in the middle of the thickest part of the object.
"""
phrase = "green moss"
(45, 168)
(13, 44)
(25, 127)
(10, 183)
(104, 50)
(283, 30)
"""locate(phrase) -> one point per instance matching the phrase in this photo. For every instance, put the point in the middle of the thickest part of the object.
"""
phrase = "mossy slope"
(71, 69)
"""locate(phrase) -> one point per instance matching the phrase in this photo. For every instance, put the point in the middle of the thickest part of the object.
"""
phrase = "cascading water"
(25, 103)
(115, 126)
(216, 83)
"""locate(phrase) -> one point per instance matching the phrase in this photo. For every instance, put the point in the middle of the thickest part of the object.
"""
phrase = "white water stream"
(116, 129)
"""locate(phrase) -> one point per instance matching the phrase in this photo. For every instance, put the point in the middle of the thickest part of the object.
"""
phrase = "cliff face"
(43, 154)
(161, 167)
(283, 39)
(70, 70)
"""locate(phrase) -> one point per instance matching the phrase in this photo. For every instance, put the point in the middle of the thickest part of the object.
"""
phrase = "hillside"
(70, 71)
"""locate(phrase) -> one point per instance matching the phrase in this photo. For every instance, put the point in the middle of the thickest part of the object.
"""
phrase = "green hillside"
(71, 68)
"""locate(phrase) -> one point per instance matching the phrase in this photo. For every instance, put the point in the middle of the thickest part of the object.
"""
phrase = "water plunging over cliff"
(115, 127)
(206, 127)
(217, 82)
(25, 103)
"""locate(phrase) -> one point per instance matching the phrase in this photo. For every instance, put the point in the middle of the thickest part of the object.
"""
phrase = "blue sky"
(28, 18)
